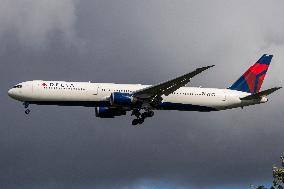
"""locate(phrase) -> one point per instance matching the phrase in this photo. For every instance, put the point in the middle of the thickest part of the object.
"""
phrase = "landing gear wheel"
(135, 122)
(144, 115)
(136, 113)
(140, 121)
(150, 114)
(26, 105)
(147, 114)
(27, 111)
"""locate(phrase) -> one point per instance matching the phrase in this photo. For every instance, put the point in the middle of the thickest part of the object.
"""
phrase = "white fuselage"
(97, 94)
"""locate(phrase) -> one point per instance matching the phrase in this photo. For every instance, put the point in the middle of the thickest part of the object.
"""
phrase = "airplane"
(111, 100)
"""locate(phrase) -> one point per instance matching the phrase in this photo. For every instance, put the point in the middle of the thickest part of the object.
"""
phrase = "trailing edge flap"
(261, 94)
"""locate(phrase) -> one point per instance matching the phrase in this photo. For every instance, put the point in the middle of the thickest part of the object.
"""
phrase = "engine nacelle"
(105, 112)
(121, 99)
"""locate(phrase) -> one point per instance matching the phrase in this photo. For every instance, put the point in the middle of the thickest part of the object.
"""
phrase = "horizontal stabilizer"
(261, 94)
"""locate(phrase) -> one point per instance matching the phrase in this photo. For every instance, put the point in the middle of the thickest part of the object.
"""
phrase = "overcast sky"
(138, 41)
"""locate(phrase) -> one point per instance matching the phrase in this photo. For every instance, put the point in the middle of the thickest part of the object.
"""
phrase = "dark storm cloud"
(32, 21)
(138, 42)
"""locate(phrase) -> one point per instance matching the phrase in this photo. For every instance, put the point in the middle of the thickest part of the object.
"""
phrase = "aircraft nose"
(11, 93)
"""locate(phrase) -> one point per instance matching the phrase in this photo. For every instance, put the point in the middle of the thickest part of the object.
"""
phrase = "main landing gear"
(26, 105)
(140, 117)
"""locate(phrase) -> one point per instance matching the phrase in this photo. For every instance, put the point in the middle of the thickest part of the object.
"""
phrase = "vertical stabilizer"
(252, 79)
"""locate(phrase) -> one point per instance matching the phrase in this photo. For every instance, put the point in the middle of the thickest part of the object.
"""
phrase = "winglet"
(204, 68)
(261, 94)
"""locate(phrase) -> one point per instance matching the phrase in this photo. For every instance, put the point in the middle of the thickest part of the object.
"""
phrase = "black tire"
(144, 115)
(27, 111)
(147, 114)
(151, 114)
(140, 121)
(135, 122)
(26, 105)
(280, 187)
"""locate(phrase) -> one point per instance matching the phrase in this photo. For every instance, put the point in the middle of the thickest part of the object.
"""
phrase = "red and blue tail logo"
(252, 79)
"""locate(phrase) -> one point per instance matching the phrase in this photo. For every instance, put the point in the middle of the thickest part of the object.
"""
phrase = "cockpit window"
(17, 86)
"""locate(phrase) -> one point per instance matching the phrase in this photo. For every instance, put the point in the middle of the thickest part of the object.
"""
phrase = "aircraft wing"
(155, 92)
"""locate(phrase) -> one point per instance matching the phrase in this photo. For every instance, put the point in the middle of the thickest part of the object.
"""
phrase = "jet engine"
(105, 112)
(121, 99)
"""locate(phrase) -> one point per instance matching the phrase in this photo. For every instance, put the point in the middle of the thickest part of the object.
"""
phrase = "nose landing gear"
(26, 105)
(27, 111)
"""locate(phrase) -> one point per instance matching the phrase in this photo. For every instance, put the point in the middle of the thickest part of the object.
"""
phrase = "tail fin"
(252, 79)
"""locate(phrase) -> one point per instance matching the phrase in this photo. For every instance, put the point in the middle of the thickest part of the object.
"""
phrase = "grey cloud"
(32, 21)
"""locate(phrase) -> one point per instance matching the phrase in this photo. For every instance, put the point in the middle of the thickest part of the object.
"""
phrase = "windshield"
(17, 86)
